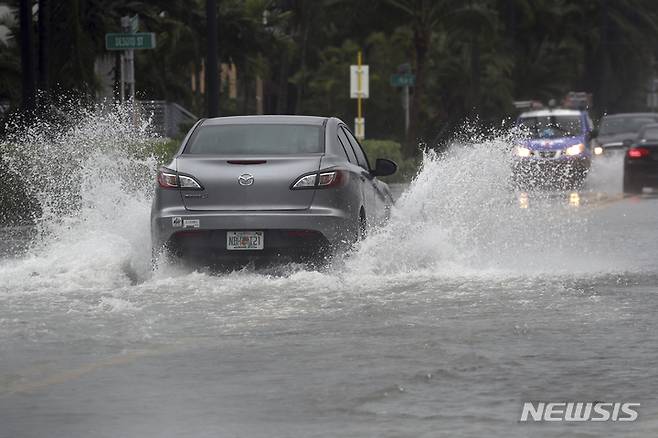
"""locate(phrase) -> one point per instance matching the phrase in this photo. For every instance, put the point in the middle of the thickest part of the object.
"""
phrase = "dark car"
(641, 161)
(615, 129)
(256, 187)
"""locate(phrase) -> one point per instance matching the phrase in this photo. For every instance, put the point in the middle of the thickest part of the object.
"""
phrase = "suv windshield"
(551, 126)
(275, 139)
(618, 125)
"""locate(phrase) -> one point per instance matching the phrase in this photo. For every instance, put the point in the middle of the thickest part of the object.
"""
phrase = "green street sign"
(403, 80)
(126, 41)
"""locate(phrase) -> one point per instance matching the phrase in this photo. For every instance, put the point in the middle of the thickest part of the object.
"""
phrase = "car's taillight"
(330, 179)
(321, 180)
(638, 152)
(169, 179)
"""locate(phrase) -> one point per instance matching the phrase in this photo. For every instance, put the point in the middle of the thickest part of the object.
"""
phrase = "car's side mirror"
(593, 133)
(627, 143)
(384, 167)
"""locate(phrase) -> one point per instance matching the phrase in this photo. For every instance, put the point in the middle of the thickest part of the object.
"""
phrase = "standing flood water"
(473, 299)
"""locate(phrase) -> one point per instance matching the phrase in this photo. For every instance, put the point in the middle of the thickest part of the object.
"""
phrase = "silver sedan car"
(254, 187)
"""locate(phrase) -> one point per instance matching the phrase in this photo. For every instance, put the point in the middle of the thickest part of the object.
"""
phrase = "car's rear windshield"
(256, 139)
(618, 125)
(552, 126)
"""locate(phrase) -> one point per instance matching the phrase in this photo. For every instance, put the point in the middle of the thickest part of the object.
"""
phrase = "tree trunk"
(198, 97)
(27, 54)
(476, 74)
(604, 62)
(421, 46)
(44, 41)
(212, 73)
(282, 95)
(305, 27)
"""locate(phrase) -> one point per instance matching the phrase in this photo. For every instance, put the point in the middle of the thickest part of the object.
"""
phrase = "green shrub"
(165, 149)
(407, 167)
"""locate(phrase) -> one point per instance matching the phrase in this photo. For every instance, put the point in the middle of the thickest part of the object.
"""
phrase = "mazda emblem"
(245, 179)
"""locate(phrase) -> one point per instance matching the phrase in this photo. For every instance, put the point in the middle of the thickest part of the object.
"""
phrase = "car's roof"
(620, 115)
(269, 119)
(551, 112)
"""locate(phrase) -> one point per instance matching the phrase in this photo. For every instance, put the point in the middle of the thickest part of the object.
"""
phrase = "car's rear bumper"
(331, 227)
(644, 171)
(211, 246)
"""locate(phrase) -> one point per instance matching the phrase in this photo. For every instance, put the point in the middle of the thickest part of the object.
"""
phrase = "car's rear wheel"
(632, 185)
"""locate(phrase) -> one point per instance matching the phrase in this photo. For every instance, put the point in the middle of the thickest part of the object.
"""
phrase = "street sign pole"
(130, 55)
(125, 62)
(359, 90)
(129, 26)
(406, 110)
(404, 79)
(122, 86)
(127, 41)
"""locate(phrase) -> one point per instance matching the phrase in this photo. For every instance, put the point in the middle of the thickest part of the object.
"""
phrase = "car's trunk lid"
(247, 182)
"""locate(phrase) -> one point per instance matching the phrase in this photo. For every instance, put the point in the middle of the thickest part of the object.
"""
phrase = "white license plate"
(244, 240)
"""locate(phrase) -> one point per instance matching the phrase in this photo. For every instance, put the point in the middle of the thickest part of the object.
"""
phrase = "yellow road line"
(68, 375)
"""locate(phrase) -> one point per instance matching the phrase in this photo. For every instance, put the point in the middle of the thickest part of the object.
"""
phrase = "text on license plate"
(240, 240)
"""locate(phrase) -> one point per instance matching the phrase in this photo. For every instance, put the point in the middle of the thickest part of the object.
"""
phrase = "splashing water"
(459, 216)
(93, 182)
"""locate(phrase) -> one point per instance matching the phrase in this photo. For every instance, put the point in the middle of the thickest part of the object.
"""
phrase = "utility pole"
(27, 53)
(212, 74)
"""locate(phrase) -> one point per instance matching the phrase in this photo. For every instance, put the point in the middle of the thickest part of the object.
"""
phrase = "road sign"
(126, 41)
(403, 80)
(360, 128)
(354, 81)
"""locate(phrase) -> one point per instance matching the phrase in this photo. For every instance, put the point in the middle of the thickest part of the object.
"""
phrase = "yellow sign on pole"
(360, 128)
(359, 90)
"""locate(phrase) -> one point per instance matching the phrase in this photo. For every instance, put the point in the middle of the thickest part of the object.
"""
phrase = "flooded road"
(471, 300)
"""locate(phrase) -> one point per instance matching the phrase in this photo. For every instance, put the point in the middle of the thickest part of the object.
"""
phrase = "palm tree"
(425, 16)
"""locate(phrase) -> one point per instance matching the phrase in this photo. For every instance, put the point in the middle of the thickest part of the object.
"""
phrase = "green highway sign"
(403, 80)
(127, 41)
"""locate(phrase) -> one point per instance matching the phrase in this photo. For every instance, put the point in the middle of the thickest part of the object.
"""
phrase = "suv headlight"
(575, 149)
(522, 151)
